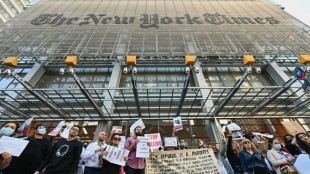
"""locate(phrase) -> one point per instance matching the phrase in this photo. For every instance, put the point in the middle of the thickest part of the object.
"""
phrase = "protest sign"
(302, 164)
(117, 129)
(267, 135)
(24, 129)
(122, 143)
(137, 123)
(191, 161)
(65, 133)
(177, 123)
(171, 141)
(155, 141)
(143, 150)
(202, 143)
(14, 146)
(116, 155)
(57, 129)
(258, 136)
(233, 127)
(218, 126)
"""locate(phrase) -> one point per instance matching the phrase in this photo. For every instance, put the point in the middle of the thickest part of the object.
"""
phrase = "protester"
(65, 155)
(251, 160)
(303, 142)
(135, 165)
(108, 167)
(8, 129)
(37, 150)
(233, 154)
(277, 157)
(92, 154)
(85, 144)
(293, 149)
(220, 156)
(183, 144)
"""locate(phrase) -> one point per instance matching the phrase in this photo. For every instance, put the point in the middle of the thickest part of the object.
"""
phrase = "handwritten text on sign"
(155, 141)
(193, 161)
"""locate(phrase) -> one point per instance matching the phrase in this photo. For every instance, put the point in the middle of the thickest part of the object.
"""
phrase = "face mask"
(183, 144)
(42, 131)
(6, 131)
(277, 146)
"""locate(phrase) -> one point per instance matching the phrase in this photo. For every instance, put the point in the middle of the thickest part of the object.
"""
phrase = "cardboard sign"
(237, 135)
(258, 136)
(57, 129)
(143, 150)
(155, 141)
(233, 127)
(171, 141)
(191, 161)
(177, 123)
(302, 164)
(117, 129)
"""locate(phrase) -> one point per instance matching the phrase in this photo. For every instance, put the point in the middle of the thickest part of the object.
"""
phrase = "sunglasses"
(247, 142)
(117, 139)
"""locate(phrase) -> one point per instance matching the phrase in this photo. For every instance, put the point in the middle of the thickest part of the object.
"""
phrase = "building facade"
(10, 8)
(99, 93)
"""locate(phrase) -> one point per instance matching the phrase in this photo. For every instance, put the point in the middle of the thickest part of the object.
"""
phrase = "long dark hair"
(284, 138)
(17, 126)
(302, 144)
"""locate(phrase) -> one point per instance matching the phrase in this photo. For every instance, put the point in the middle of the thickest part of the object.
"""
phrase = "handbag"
(288, 170)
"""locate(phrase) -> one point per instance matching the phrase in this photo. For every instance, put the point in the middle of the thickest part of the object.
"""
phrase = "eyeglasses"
(117, 139)
(247, 142)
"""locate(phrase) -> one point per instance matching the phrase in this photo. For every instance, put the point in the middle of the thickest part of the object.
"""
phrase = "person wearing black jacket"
(64, 156)
(293, 149)
(233, 156)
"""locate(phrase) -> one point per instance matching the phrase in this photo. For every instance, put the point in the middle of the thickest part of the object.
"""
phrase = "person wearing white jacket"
(277, 157)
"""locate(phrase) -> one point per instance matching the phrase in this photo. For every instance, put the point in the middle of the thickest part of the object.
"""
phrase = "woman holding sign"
(108, 167)
(8, 129)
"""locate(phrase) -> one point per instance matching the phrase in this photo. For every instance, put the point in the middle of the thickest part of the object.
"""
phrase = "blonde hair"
(253, 147)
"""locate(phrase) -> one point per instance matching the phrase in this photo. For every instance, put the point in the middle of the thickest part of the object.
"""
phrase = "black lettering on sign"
(151, 20)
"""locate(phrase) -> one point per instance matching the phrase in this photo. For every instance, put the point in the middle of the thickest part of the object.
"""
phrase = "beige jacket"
(275, 159)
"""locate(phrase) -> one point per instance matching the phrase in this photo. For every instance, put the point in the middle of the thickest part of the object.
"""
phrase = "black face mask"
(85, 146)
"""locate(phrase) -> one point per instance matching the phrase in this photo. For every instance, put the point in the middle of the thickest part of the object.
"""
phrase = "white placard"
(122, 143)
(143, 150)
(155, 141)
(65, 133)
(266, 135)
(171, 141)
(177, 123)
(302, 164)
(14, 146)
(116, 155)
(57, 129)
(233, 127)
(237, 135)
(258, 136)
(137, 123)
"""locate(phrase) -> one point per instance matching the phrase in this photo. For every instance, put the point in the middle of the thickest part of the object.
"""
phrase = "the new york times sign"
(150, 20)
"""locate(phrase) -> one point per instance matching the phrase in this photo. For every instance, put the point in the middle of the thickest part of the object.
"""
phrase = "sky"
(297, 8)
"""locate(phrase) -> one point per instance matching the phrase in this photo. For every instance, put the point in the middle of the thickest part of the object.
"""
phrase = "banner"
(155, 141)
(24, 129)
(177, 123)
(57, 129)
(193, 161)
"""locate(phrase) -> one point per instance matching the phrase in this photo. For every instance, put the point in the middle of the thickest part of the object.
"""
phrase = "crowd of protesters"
(71, 156)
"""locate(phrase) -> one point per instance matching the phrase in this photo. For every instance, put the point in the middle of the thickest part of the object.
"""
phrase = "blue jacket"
(248, 162)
